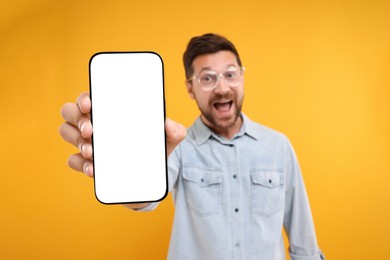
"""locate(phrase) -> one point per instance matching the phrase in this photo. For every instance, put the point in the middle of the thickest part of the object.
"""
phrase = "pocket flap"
(266, 178)
(202, 177)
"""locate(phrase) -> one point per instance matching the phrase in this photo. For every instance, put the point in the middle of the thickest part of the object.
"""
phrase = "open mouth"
(223, 106)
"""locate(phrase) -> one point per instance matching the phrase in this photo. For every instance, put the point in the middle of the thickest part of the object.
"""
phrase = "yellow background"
(319, 71)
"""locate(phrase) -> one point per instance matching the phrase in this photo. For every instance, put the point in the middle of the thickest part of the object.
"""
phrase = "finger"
(79, 163)
(72, 114)
(72, 135)
(84, 102)
(175, 133)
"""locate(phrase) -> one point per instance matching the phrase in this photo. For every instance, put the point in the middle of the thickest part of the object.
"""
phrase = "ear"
(190, 89)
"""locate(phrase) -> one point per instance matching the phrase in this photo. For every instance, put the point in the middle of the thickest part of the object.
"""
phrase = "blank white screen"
(127, 93)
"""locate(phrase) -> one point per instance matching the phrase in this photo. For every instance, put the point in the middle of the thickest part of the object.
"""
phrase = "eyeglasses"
(209, 79)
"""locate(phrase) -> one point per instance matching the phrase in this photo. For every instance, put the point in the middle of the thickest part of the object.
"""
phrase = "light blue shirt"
(233, 197)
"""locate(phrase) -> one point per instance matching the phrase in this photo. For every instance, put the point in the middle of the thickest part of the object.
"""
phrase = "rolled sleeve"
(318, 256)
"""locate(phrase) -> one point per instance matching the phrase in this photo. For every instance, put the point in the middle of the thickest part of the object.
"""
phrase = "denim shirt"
(233, 197)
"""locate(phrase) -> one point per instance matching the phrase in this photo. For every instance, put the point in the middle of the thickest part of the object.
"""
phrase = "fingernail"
(82, 147)
(82, 127)
(86, 168)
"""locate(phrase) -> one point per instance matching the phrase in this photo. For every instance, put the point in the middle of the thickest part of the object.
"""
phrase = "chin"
(224, 123)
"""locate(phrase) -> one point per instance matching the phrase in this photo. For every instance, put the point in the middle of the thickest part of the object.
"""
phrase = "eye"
(231, 74)
(207, 78)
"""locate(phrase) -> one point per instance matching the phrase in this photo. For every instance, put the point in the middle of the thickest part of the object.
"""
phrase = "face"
(221, 106)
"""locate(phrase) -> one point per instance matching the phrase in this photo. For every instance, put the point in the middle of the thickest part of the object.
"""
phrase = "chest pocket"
(203, 190)
(267, 192)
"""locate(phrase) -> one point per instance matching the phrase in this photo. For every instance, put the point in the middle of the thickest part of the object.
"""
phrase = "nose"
(222, 87)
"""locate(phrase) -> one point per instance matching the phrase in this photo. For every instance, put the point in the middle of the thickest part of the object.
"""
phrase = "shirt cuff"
(318, 256)
(149, 207)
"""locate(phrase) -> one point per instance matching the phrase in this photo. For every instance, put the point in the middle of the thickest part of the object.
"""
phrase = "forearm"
(136, 205)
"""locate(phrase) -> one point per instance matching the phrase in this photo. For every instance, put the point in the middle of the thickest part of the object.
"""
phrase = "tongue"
(222, 107)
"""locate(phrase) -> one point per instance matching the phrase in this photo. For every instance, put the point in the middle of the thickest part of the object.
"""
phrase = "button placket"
(235, 196)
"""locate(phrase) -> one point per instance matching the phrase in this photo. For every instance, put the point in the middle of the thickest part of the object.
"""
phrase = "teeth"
(223, 102)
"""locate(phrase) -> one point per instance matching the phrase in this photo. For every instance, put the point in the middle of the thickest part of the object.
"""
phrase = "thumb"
(175, 133)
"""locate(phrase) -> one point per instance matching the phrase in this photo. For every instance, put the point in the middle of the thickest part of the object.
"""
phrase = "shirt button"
(234, 176)
(237, 244)
(270, 181)
(236, 209)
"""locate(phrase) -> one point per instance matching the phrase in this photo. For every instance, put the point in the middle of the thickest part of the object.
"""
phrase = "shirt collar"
(202, 133)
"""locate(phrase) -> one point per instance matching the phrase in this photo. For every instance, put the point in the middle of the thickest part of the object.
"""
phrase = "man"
(235, 183)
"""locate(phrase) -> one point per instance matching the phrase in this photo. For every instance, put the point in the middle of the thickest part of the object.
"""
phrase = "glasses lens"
(208, 79)
(233, 77)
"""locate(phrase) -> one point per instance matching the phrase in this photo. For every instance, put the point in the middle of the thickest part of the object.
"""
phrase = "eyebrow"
(209, 68)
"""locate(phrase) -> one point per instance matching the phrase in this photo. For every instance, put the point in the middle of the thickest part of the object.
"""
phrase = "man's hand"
(77, 130)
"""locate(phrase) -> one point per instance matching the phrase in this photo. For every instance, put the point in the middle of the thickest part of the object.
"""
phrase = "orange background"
(319, 72)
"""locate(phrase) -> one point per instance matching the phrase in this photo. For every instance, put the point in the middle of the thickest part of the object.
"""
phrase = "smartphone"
(128, 116)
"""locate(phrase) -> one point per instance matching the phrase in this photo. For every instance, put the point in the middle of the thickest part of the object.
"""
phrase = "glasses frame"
(219, 76)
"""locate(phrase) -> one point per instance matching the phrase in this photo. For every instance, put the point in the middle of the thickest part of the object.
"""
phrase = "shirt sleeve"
(298, 222)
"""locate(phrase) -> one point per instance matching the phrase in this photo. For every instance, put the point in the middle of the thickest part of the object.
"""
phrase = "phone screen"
(128, 115)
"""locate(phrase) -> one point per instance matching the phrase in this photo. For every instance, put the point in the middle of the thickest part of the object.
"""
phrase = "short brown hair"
(206, 44)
